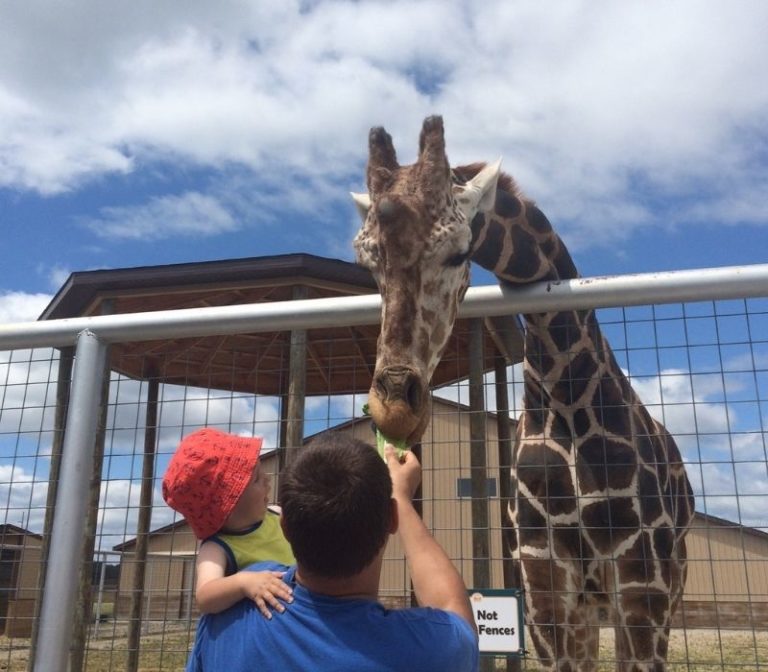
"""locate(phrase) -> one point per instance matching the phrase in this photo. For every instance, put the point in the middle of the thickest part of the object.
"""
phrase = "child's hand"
(266, 589)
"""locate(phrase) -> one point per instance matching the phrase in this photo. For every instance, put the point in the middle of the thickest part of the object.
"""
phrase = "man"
(340, 502)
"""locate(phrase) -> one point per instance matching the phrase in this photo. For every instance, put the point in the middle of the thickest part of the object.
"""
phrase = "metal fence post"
(63, 388)
(140, 583)
(63, 570)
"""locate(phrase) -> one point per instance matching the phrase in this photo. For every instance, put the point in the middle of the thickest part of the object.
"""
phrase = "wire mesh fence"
(700, 367)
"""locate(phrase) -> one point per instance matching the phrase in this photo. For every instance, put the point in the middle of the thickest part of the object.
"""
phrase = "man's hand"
(266, 589)
(405, 474)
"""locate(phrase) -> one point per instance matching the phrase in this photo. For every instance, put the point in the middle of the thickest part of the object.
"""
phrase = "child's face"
(253, 502)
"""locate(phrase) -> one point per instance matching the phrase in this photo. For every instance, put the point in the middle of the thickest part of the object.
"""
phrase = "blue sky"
(146, 133)
(137, 134)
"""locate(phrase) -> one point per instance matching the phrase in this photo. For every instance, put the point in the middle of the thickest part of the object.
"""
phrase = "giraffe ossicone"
(603, 501)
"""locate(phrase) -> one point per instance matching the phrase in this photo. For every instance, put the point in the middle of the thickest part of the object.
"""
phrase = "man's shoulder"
(424, 639)
(367, 635)
(429, 617)
(445, 638)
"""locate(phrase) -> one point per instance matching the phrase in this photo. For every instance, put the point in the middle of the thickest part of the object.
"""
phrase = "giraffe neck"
(517, 243)
(563, 350)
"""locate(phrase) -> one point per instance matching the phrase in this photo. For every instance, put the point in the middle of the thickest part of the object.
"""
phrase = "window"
(464, 487)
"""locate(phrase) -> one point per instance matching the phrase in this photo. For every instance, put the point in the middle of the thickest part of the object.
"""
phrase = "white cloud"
(21, 306)
(23, 497)
(739, 497)
(593, 105)
(191, 213)
(57, 275)
(119, 511)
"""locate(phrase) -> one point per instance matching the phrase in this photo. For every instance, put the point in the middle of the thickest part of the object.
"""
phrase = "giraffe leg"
(642, 632)
(557, 617)
(679, 574)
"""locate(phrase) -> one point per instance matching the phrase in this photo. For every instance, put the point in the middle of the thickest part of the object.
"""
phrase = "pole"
(481, 542)
(62, 578)
(143, 523)
(100, 596)
(63, 383)
(297, 387)
(510, 569)
(481, 574)
(84, 603)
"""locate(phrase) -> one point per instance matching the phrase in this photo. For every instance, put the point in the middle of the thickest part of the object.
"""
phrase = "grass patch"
(701, 650)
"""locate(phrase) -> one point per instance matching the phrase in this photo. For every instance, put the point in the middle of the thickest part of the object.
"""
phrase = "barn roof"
(702, 521)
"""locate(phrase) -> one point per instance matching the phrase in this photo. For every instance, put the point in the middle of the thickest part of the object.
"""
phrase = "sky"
(143, 133)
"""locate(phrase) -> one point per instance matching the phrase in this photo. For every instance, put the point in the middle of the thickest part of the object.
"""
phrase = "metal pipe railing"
(596, 292)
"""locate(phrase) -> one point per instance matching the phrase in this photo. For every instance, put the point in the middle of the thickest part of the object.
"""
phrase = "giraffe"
(603, 502)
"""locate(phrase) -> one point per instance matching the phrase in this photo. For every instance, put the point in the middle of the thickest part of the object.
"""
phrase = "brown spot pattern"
(583, 430)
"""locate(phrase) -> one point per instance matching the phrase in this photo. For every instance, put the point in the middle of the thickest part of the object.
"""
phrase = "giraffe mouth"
(398, 403)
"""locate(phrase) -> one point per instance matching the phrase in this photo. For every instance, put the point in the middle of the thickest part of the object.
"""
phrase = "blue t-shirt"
(323, 634)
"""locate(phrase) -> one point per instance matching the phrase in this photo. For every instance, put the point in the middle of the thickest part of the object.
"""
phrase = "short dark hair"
(336, 504)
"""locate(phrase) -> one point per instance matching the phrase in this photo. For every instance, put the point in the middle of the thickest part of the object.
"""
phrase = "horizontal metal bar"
(709, 284)
(705, 284)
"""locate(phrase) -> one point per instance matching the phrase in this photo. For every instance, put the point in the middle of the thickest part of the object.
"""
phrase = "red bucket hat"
(206, 476)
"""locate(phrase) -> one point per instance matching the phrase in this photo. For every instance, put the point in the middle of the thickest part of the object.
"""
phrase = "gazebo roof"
(339, 359)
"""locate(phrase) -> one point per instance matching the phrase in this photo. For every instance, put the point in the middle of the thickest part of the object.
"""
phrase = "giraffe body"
(603, 502)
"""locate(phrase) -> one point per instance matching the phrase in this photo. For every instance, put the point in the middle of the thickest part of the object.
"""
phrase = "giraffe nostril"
(398, 383)
(413, 393)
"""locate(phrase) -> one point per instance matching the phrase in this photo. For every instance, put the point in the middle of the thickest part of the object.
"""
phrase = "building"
(20, 563)
(727, 583)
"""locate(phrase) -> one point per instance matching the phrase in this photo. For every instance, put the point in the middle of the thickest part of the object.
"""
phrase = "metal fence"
(106, 582)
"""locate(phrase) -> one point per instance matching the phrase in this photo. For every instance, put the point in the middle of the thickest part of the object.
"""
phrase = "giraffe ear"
(362, 202)
(479, 194)
(486, 181)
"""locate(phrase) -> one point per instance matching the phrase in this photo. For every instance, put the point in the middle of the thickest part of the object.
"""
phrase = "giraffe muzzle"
(399, 403)
(399, 383)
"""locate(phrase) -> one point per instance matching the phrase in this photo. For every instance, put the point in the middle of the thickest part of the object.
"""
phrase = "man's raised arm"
(436, 582)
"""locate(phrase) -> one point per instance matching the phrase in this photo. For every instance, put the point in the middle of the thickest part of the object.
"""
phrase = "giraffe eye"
(457, 259)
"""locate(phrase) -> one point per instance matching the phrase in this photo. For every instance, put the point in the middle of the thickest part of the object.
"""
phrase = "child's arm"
(215, 592)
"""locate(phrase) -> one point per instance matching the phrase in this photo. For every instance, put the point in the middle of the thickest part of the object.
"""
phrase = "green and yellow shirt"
(262, 542)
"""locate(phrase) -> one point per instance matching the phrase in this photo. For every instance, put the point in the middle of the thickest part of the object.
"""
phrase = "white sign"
(498, 617)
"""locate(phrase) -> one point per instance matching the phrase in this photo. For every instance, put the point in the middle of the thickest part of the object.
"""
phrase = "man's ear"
(282, 527)
(394, 518)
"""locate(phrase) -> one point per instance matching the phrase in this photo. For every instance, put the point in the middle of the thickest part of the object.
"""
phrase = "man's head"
(336, 500)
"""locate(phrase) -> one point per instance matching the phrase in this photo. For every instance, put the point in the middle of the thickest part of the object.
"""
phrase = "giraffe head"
(416, 239)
